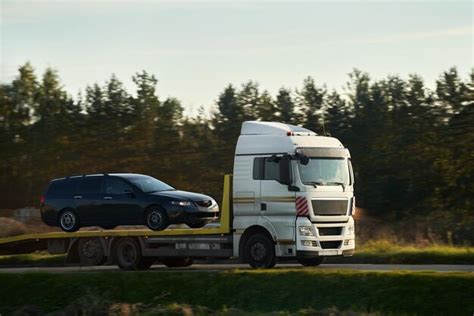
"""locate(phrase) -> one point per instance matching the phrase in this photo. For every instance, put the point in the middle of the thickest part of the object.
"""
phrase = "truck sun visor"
(323, 152)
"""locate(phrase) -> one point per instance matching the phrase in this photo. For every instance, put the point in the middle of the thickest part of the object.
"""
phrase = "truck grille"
(329, 231)
(329, 207)
(331, 244)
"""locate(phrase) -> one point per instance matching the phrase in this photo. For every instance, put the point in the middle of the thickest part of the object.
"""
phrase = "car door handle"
(78, 196)
(107, 198)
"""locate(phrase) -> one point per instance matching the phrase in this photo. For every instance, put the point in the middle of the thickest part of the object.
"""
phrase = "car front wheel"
(156, 219)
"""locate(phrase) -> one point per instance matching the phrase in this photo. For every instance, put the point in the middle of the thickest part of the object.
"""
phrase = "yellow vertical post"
(225, 211)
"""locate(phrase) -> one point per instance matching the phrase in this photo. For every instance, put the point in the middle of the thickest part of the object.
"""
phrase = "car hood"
(183, 195)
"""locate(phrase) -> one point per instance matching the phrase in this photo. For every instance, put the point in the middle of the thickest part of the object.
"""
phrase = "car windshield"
(150, 184)
(325, 171)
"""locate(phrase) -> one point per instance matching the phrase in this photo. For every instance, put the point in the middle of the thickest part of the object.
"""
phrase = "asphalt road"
(224, 267)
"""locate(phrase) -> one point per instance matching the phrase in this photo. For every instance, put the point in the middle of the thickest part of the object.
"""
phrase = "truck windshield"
(325, 171)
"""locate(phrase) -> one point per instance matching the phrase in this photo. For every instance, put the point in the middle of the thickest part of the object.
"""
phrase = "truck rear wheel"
(177, 262)
(311, 262)
(128, 255)
(260, 251)
(91, 252)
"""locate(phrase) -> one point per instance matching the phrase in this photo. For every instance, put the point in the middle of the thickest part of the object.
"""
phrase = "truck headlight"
(350, 230)
(181, 203)
(306, 231)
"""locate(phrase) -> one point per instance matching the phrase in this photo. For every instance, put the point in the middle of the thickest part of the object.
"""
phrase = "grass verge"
(290, 290)
(385, 252)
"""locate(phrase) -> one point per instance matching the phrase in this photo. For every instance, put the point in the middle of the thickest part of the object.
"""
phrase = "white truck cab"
(293, 189)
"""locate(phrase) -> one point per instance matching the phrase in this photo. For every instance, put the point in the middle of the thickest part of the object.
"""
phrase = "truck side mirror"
(285, 171)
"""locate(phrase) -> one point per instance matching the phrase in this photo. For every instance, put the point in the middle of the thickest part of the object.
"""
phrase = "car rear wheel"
(69, 221)
(128, 255)
(311, 262)
(260, 251)
(156, 219)
(177, 262)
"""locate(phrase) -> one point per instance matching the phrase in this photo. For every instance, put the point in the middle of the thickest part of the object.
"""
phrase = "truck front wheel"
(260, 252)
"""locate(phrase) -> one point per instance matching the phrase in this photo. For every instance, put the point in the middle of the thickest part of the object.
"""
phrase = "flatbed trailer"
(291, 196)
(134, 249)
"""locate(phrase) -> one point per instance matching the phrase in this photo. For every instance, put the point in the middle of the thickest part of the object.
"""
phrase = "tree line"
(412, 147)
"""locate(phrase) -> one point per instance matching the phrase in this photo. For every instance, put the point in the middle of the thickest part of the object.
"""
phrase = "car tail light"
(42, 199)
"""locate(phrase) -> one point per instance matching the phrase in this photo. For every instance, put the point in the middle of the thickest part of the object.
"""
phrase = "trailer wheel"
(91, 252)
(310, 262)
(128, 255)
(177, 262)
(260, 251)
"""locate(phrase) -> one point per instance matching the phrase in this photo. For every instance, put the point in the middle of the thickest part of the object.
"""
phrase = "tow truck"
(290, 197)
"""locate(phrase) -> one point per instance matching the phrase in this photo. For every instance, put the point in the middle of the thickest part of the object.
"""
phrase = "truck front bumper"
(340, 243)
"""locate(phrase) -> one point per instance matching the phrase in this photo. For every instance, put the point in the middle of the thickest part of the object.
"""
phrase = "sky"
(196, 48)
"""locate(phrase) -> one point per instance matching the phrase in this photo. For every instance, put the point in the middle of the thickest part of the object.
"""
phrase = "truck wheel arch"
(250, 231)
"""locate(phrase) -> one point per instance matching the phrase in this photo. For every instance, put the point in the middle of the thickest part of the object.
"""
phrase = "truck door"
(277, 207)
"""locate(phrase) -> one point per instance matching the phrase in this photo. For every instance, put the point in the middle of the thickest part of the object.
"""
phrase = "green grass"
(389, 253)
(291, 290)
(35, 259)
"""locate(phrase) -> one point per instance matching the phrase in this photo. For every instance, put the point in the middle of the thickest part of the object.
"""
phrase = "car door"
(89, 199)
(120, 204)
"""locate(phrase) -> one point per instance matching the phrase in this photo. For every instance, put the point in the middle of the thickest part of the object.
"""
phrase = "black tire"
(311, 262)
(260, 252)
(177, 262)
(68, 221)
(128, 255)
(108, 226)
(156, 219)
(197, 224)
(91, 252)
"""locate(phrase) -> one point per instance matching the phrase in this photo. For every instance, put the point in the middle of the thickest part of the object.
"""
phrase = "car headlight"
(181, 203)
(306, 231)
(350, 230)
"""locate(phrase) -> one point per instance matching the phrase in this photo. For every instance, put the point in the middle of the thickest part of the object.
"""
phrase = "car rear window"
(90, 185)
(66, 186)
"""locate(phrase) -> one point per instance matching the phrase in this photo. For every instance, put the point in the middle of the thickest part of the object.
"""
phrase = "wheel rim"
(91, 249)
(129, 254)
(155, 219)
(68, 220)
(258, 251)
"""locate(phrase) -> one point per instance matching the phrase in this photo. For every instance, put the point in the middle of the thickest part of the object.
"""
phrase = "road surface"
(224, 267)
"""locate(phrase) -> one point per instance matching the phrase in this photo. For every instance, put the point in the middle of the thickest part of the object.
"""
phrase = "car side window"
(264, 168)
(116, 186)
(91, 185)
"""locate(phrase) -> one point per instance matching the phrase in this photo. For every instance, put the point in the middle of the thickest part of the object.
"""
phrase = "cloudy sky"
(196, 48)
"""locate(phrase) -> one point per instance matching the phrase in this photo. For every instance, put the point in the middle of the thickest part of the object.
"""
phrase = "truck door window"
(266, 169)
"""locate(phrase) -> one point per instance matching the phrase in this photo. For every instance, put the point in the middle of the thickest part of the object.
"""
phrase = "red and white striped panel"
(302, 208)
